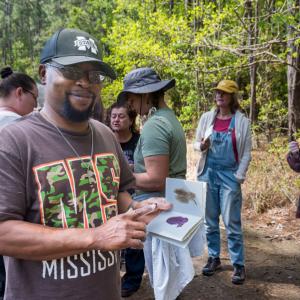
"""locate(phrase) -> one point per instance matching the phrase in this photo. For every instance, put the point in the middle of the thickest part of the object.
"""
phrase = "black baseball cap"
(73, 46)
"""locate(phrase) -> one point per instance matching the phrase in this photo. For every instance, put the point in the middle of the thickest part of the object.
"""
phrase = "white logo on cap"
(83, 44)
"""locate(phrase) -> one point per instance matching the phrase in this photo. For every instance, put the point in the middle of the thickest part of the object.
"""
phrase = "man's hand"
(128, 230)
(120, 232)
(158, 205)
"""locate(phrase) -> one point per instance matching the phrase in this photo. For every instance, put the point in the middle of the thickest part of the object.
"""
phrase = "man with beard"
(63, 182)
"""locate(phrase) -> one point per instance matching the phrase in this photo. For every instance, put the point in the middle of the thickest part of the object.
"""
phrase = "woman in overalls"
(224, 140)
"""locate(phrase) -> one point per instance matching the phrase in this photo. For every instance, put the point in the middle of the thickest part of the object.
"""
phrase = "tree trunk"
(293, 80)
(7, 33)
(252, 39)
(171, 3)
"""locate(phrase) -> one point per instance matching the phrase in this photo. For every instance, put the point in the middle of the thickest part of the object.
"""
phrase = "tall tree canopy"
(254, 42)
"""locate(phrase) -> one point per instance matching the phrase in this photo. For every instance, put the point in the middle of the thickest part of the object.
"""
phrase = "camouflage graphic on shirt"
(78, 192)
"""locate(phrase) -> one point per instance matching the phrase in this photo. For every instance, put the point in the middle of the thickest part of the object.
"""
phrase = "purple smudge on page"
(177, 220)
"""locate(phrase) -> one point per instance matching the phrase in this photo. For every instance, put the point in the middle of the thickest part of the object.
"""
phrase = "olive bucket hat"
(143, 81)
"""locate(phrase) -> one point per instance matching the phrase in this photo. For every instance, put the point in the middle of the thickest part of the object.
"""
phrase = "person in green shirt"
(161, 150)
(160, 153)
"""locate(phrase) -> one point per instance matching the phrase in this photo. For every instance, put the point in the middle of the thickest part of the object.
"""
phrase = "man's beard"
(74, 115)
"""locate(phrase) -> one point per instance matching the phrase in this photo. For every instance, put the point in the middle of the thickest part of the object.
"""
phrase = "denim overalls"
(223, 196)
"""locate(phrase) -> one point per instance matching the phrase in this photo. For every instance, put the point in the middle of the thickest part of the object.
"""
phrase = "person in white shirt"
(18, 95)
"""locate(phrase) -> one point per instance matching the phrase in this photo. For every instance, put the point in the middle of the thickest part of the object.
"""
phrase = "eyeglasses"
(72, 73)
(33, 95)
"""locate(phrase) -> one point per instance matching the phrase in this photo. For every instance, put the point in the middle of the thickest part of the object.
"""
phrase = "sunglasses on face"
(73, 73)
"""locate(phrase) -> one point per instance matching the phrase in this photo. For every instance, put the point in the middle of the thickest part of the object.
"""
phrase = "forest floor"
(272, 243)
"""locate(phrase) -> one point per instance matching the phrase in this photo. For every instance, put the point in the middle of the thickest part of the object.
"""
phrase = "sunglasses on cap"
(73, 73)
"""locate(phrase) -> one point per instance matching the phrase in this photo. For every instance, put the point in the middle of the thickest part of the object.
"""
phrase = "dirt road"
(272, 264)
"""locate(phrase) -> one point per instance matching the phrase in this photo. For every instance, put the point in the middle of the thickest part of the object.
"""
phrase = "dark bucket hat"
(143, 81)
(73, 46)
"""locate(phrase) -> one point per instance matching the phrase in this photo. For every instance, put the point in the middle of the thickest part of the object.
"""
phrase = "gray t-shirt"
(162, 134)
(7, 117)
(44, 182)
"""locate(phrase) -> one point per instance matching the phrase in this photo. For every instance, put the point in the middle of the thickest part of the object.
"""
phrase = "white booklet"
(178, 225)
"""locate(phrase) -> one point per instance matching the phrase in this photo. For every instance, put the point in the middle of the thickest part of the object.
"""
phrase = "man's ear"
(42, 74)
